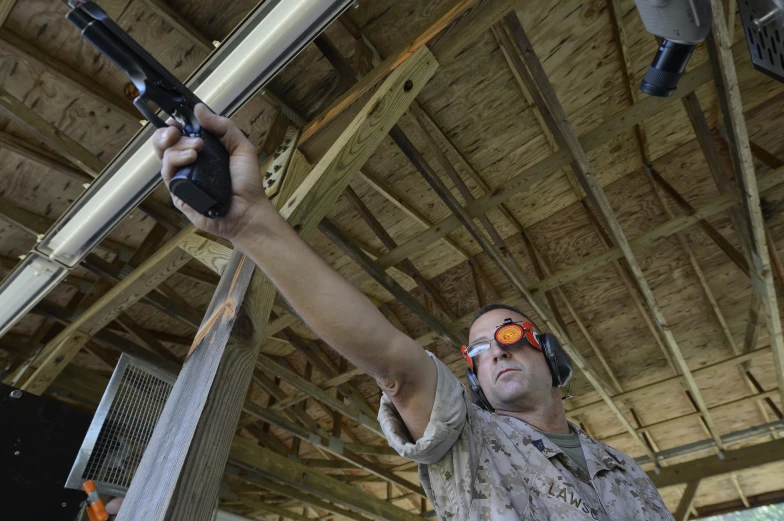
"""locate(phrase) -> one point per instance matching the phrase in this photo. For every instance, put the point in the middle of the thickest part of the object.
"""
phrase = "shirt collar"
(597, 456)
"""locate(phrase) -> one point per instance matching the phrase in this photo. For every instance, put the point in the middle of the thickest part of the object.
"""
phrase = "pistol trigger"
(148, 113)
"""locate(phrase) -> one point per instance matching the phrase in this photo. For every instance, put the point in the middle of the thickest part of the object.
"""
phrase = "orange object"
(509, 334)
(95, 507)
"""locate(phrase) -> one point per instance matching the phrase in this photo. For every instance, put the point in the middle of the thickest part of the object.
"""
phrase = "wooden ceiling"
(66, 113)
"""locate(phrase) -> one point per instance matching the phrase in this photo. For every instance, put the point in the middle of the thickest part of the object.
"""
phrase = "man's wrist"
(262, 222)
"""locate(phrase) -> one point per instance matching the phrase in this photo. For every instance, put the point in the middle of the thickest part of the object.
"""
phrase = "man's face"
(513, 378)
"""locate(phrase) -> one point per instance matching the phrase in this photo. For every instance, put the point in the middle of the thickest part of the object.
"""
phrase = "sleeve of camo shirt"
(450, 446)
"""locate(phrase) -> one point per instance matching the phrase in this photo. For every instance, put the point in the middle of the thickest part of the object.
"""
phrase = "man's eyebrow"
(480, 339)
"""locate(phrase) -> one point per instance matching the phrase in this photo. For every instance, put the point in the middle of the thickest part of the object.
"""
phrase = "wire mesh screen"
(122, 427)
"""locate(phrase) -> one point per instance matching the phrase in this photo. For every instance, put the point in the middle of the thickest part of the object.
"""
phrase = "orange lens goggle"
(507, 334)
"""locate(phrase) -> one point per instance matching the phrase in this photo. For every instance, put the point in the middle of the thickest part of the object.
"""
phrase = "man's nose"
(499, 352)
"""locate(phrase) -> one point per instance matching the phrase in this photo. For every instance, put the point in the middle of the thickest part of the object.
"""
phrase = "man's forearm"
(336, 311)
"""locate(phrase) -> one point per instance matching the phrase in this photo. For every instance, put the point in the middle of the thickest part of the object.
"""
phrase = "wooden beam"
(739, 490)
(331, 445)
(407, 266)
(388, 283)
(733, 461)
(717, 205)
(182, 26)
(387, 193)
(41, 156)
(598, 198)
(188, 450)
(725, 76)
(686, 503)
(662, 385)
(517, 279)
(387, 66)
(53, 137)
(6, 6)
(729, 339)
(735, 256)
(266, 364)
(304, 478)
(625, 120)
(66, 74)
(296, 494)
(59, 352)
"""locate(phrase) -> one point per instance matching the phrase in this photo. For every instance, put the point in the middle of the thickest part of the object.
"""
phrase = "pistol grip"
(205, 185)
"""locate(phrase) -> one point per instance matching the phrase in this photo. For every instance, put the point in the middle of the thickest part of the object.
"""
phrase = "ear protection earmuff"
(510, 333)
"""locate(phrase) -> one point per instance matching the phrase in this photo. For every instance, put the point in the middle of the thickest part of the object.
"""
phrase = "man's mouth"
(504, 371)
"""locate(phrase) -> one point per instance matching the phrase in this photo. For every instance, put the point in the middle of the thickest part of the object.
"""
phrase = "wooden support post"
(189, 447)
(739, 489)
(720, 53)
(687, 501)
(599, 199)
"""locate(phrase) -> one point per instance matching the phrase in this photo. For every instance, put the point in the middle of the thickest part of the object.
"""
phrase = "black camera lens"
(667, 68)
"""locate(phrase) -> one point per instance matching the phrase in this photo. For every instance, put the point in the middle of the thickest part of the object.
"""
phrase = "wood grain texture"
(338, 238)
(601, 203)
(733, 461)
(658, 387)
(353, 147)
(683, 512)
(270, 366)
(726, 78)
(332, 445)
(59, 352)
(63, 72)
(380, 72)
(547, 166)
(58, 140)
(302, 477)
(42, 156)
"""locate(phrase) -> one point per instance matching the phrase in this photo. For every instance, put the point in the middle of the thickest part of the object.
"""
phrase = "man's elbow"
(405, 369)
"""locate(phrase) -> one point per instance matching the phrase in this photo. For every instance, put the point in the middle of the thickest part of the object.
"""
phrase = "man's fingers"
(224, 129)
(163, 139)
(173, 160)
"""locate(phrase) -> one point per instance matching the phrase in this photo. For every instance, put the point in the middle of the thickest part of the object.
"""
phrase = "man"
(512, 457)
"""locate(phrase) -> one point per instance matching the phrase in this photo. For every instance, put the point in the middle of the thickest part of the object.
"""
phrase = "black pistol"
(204, 185)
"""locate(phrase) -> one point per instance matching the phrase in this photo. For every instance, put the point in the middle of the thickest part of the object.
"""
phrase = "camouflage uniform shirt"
(478, 465)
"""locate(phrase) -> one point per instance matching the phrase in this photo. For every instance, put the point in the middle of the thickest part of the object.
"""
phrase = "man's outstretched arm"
(336, 311)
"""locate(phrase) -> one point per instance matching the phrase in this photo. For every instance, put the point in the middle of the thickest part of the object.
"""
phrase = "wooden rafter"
(663, 384)
(720, 53)
(59, 352)
(623, 121)
(596, 194)
(733, 461)
(63, 72)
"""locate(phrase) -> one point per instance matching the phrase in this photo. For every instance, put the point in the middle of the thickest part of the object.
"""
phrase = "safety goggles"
(507, 334)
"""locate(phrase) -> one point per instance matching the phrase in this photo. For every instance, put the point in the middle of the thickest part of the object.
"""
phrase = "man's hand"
(248, 199)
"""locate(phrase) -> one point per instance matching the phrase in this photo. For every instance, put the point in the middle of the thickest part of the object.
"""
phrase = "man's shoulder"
(623, 459)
